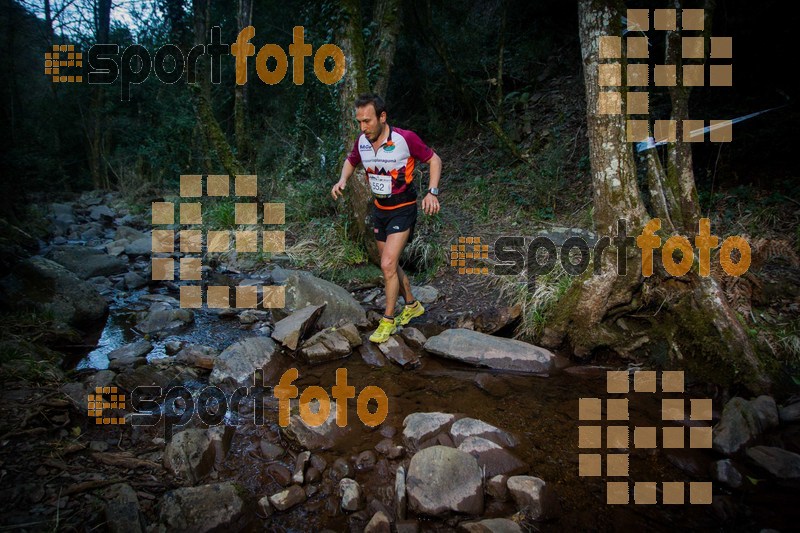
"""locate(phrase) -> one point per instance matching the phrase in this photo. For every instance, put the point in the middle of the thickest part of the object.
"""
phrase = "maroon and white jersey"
(390, 169)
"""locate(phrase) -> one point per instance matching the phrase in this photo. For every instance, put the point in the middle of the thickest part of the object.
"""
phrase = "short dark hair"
(371, 98)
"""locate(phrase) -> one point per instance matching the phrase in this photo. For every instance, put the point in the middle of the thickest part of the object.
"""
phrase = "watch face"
(434, 191)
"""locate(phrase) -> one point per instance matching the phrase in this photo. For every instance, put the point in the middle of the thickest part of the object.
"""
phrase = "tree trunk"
(241, 100)
(699, 326)
(388, 17)
(201, 91)
(97, 134)
(351, 42)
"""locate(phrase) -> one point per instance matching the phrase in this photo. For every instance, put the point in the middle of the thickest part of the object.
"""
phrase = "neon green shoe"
(409, 313)
(384, 331)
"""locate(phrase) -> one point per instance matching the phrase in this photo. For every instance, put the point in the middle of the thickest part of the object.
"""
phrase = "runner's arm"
(338, 187)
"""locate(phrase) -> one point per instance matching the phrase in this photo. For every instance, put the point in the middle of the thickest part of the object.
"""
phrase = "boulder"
(38, 284)
(303, 289)
(484, 350)
(724, 472)
(101, 212)
(492, 458)
(350, 495)
(790, 413)
(122, 509)
(160, 321)
(738, 425)
(529, 494)
(87, 262)
(470, 427)
(197, 356)
(300, 467)
(286, 499)
(396, 351)
(326, 345)
(496, 488)
(400, 495)
(425, 293)
(134, 281)
(372, 355)
(413, 337)
(238, 362)
(215, 507)
(121, 363)
(767, 412)
(190, 455)
(379, 523)
(442, 480)
(129, 234)
(419, 427)
(321, 437)
(292, 329)
(139, 348)
(780, 463)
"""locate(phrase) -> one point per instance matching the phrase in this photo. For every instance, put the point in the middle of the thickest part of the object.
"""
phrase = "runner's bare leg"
(395, 279)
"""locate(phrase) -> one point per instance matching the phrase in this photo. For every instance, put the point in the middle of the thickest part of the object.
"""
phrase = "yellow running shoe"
(409, 312)
(384, 331)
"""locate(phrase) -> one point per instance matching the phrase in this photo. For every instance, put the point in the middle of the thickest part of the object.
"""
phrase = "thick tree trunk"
(215, 138)
(351, 42)
(697, 323)
(388, 17)
(241, 100)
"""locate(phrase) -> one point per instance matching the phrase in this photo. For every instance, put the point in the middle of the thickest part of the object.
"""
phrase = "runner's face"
(371, 125)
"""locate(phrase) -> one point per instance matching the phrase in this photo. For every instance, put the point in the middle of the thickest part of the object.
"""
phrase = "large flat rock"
(442, 480)
(483, 350)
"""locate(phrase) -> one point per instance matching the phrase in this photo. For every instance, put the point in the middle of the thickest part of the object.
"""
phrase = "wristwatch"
(434, 191)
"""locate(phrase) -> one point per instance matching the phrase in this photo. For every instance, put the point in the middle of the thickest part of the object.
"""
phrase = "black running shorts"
(388, 221)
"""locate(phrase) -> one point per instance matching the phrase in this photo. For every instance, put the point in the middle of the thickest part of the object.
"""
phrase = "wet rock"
(738, 425)
(387, 447)
(142, 246)
(238, 362)
(471, 427)
(413, 337)
(781, 463)
(396, 350)
(724, 472)
(326, 345)
(313, 475)
(766, 411)
(340, 469)
(270, 451)
(251, 316)
(350, 494)
(190, 455)
(379, 523)
(419, 427)
(286, 499)
(77, 394)
(280, 474)
(265, 507)
(319, 463)
(87, 262)
(121, 363)
(303, 289)
(496, 488)
(484, 350)
(528, 494)
(173, 347)
(216, 507)
(400, 495)
(300, 467)
(492, 458)
(425, 293)
(372, 355)
(198, 356)
(494, 385)
(442, 479)
(321, 437)
(790, 413)
(366, 461)
(491, 320)
(134, 281)
(101, 378)
(163, 321)
(139, 348)
(122, 510)
(491, 525)
(292, 329)
(45, 286)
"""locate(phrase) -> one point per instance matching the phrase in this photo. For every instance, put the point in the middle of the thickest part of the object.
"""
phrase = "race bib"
(381, 185)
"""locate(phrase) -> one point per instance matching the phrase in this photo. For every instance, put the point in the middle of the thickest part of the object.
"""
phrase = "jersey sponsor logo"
(364, 147)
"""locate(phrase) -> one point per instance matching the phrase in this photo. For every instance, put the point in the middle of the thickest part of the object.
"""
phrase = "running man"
(389, 156)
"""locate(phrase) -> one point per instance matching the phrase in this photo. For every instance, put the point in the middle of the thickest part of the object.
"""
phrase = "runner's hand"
(337, 189)
(430, 204)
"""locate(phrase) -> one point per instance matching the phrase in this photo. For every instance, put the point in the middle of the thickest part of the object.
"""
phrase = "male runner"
(389, 156)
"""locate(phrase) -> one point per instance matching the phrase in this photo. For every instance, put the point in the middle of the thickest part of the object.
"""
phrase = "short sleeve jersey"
(390, 169)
